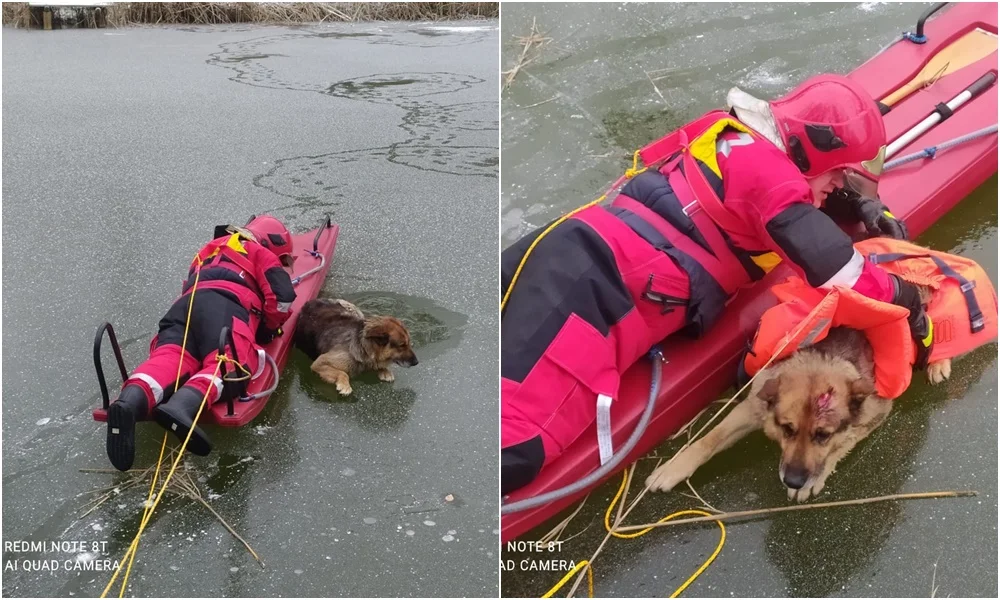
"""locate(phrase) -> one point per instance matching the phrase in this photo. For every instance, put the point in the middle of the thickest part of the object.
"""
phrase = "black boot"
(177, 415)
(131, 406)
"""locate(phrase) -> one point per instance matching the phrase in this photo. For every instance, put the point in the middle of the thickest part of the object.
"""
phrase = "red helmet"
(830, 122)
(273, 235)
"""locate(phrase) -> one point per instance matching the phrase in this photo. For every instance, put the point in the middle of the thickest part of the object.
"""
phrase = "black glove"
(876, 218)
(921, 327)
(265, 335)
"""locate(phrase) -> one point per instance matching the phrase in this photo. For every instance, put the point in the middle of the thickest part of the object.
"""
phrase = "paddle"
(971, 47)
(941, 113)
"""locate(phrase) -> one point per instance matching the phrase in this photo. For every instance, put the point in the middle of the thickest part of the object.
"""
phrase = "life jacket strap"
(976, 321)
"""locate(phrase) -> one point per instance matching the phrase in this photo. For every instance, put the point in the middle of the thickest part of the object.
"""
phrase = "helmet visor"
(863, 185)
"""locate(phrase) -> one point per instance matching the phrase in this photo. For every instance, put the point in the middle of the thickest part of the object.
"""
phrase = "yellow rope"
(187, 322)
(163, 445)
(628, 536)
(145, 512)
(142, 526)
(573, 571)
(629, 174)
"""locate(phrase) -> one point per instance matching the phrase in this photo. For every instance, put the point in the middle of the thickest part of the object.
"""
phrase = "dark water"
(564, 152)
(122, 150)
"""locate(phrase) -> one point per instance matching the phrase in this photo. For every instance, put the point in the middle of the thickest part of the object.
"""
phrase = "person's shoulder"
(762, 167)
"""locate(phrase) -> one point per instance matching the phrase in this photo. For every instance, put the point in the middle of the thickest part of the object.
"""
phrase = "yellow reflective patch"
(930, 333)
(889, 214)
(703, 148)
(767, 261)
(235, 244)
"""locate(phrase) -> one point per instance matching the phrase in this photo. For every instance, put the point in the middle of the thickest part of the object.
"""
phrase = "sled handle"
(324, 227)
(927, 14)
(226, 335)
(274, 386)
(97, 360)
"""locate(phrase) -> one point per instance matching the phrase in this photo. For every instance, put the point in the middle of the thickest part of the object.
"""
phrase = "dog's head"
(809, 411)
(388, 340)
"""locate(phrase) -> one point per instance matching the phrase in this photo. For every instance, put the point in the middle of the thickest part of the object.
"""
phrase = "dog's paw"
(938, 371)
(803, 494)
(386, 375)
(799, 495)
(344, 387)
(666, 477)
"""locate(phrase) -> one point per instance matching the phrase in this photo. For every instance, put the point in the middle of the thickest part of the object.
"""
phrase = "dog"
(342, 342)
(817, 404)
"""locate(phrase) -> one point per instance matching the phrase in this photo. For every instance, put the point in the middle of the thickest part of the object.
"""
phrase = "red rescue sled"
(920, 192)
(314, 250)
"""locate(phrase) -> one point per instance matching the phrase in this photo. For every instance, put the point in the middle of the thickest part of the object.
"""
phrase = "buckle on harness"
(968, 286)
(687, 209)
(667, 302)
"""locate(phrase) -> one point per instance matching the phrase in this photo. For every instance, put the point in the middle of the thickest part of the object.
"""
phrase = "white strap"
(155, 387)
(214, 380)
(604, 427)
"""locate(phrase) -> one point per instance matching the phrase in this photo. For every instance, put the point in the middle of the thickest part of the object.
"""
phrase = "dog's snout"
(413, 360)
(795, 477)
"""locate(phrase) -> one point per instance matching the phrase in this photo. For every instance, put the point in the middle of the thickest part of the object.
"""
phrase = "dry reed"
(205, 13)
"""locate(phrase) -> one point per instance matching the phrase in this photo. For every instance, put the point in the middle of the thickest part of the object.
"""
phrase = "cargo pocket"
(560, 393)
(668, 292)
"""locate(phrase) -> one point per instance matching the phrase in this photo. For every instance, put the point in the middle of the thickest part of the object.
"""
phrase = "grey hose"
(656, 355)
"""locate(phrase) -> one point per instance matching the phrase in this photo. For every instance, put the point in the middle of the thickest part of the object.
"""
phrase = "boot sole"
(121, 445)
(198, 444)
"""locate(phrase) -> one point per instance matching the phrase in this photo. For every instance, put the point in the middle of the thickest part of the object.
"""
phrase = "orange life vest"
(962, 309)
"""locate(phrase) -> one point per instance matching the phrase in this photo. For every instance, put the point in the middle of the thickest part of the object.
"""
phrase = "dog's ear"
(860, 389)
(376, 334)
(769, 391)
(378, 337)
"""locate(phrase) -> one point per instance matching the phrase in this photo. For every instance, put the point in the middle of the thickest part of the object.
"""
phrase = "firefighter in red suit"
(241, 284)
(608, 283)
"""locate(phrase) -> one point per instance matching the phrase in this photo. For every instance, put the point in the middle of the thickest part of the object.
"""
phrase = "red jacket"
(764, 188)
(250, 272)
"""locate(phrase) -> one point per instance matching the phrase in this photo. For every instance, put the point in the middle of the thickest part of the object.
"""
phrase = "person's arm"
(817, 246)
(275, 285)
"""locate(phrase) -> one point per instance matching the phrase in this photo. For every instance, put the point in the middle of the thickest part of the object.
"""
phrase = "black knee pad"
(520, 464)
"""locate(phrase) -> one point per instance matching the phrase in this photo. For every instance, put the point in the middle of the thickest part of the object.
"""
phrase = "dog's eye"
(788, 430)
(821, 436)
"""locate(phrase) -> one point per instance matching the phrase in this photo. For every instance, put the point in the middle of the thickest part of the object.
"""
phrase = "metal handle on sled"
(97, 360)
(316, 253)
(274, 386)
(227, 335)
(920, 22)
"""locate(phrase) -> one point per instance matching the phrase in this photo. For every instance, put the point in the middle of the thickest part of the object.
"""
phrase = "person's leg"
(520, 464)
(148, 385)
(178, 415)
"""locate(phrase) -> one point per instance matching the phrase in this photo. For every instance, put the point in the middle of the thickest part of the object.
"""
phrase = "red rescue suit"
(240, 285)
(611, 281)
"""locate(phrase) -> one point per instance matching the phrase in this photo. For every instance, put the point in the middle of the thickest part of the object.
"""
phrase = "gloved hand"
(876, 217)
(921, 328)
(265, 335)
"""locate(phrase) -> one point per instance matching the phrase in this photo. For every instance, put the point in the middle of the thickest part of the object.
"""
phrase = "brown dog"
(817, 404)
(343, 342)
